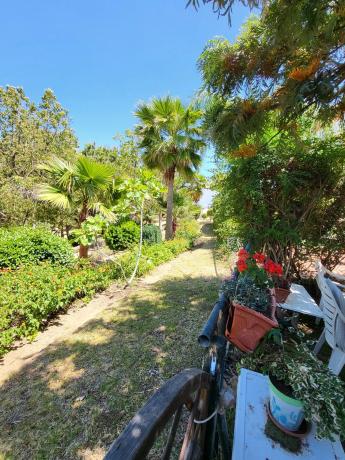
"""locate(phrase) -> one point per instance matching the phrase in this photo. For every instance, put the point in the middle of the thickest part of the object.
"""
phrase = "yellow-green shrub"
(188, 229)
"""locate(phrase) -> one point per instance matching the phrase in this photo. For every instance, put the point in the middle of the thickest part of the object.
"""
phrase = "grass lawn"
(79, 394)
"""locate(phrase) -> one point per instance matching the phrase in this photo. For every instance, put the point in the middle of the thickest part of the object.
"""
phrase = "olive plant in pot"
(305, 387)
(252, 300)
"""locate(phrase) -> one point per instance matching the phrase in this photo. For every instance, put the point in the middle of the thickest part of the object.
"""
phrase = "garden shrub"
(32, 294)
(288, 199)
(26, 245)
(151, 234)
(188, 229)
(122, 236)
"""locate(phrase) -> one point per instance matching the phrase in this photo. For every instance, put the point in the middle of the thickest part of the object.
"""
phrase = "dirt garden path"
(72, 390)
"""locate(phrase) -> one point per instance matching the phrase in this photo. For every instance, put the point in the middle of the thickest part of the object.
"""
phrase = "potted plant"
(253, 306)
(280, 281)
(282, 289)
(301, 387)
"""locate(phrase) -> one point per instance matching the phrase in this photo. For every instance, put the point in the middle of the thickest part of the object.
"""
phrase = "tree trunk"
(83, 252)
(83, 213)
(169, 218)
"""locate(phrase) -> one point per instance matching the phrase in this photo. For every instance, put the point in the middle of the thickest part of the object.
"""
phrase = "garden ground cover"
(77, 395)
(32, 294)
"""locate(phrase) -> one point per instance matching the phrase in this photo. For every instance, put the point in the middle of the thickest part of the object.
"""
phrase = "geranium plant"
(262, 270)
(249, 293)
(256, 274)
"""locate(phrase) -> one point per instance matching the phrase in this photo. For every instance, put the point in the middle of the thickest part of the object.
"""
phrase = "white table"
(250, 441)
(300, 301)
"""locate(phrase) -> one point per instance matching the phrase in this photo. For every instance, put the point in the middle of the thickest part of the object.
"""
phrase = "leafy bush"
(25, 245)
(288, 199)
(122, 236)
(151, 234)
(188, 229)
(32, 294)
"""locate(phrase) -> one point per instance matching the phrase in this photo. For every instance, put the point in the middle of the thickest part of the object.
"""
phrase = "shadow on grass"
(77, 395)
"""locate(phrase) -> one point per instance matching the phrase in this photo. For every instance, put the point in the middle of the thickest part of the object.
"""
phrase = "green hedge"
(122, 236)
(152, 234)
(27, 245)
(32, 294)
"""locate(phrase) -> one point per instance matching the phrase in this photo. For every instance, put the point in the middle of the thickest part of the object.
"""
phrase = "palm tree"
(171, 142)
(82, 186)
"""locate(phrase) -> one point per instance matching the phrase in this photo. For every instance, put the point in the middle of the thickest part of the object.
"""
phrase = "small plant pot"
(247, 327)
(281, 294)
(286, 410)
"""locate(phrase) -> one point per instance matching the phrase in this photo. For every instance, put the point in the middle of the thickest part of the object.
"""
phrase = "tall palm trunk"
(83, 250)
(170, 176)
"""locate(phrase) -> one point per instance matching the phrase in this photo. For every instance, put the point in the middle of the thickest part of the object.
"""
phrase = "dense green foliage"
(312, 382)
(25, 245)
(124, 157)
(82, 186)
(289, 199)
(151, 234)
(122, 236)
(189, 229)
(267, 71)
(29, 134)
(274, 112)
(31, 294)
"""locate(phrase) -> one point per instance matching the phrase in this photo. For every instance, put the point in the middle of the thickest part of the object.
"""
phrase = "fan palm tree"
(171, 142)
(82, 186)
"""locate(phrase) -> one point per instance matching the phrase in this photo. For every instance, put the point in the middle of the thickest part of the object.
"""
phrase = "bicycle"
(202, 391)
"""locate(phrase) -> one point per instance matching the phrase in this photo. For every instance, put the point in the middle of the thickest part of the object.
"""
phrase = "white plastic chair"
(332, 314)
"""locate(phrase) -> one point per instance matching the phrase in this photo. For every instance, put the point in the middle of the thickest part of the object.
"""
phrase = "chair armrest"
(336, 276)
(340, 286)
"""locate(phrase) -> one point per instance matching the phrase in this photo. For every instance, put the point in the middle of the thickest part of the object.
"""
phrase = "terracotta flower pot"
(247, 327)
(281, 294)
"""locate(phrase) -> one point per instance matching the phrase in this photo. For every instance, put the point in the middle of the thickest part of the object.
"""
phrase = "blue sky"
(101, 58)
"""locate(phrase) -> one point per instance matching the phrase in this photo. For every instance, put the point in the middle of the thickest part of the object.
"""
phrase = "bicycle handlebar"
(206, 335)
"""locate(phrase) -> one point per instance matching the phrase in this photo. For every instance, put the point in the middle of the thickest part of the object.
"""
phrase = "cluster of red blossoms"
(269, 266)
(243, 255)
(272, 268)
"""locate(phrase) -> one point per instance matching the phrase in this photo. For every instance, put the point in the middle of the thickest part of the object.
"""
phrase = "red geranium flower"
(273, 268)
(278, 270)
(259, 257)
(241, 265)
(243, 254)
(270, 266)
